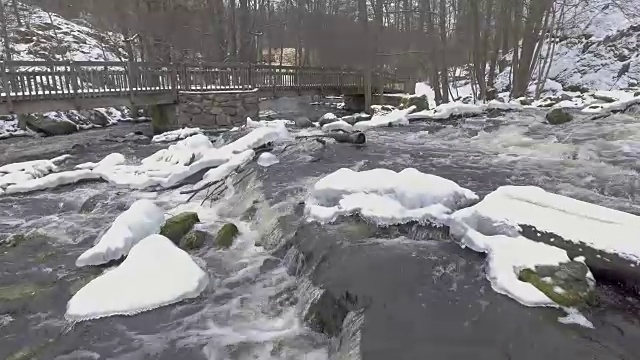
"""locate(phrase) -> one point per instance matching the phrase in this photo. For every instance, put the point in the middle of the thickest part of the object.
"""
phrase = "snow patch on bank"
(386, 197)
(142, 219)
(155, 273)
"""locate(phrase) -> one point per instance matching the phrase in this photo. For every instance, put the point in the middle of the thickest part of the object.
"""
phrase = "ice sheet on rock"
(156, 273)
(574, 220)
(395, 117)
(445, 111)
(176, 135)
(327, 116)
(256, 138)
(268, 123)
(51, 181)
(382, 210)
(235, 162)
(506, 256)
(386, 196)
(575, 317)
(108, 161)
(267, 159)
(339, 125)
(142, 219)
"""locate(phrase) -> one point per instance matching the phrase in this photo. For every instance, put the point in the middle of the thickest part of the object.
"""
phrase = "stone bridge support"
(217, 109)
(163, 117)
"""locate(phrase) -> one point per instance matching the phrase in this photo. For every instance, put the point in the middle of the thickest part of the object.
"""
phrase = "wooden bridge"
(39, 86)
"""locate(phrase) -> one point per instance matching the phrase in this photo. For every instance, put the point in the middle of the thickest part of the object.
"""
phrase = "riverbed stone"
(558, 117)
(303, 122)
(178, 226)
(47, 126)
(567, 284)
(194, 240)
(420, 102)
(226, 235)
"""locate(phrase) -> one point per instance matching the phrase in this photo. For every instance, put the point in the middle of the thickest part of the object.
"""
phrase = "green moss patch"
(226, 235)
(178, 226)
(566, 284)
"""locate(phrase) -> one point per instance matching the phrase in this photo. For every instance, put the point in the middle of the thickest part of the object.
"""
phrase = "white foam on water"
(575, 317)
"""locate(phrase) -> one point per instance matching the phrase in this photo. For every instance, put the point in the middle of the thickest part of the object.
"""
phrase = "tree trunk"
(444, 67)
(5, 33)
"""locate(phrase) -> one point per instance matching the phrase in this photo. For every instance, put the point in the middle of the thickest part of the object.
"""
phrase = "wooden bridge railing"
(56, 80)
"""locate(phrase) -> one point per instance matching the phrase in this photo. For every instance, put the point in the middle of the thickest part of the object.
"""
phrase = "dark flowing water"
(405, 293)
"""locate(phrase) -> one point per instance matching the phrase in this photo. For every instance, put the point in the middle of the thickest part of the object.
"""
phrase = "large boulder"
(558, 117)
(177, 227)
(47, 125)
(420, 102)
(567, 284)
(303, 122)
(226, 235)
(327, 118)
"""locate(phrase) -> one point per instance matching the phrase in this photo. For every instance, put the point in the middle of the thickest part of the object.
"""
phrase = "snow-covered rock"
(386, 197)
(445, 111)
(267, 159)
(142, 219)
(18, 173)
(394, 118)
(108, 161)
(527, 227)
(174, 135)
(52, 181)
(268, 123)
(337, 125)
(221, 172)
(327, 119)
(155, 273)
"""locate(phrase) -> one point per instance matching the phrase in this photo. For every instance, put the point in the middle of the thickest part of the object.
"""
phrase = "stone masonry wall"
(217, 109)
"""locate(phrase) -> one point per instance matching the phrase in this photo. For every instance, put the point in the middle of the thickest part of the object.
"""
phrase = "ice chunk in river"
(52, 181)
(338, 125)
(176, 135)
(108, 161)
(142, 219)
(385, 196)
(267, 159)
(18, 173)
(155, 273)
(395, 117)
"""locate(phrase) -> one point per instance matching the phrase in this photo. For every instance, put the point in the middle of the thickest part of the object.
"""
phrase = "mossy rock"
(420, 102)
(226, 235)
(19, 291)
(567, 284)
(558, 117)
(195, 239)
(526, 101)
(178, 226)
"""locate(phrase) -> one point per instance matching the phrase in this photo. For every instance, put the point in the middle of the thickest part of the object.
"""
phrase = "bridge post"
(163, 117)
(7, 84)
(73, 71)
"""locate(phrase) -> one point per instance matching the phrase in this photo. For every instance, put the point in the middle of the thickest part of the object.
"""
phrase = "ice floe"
(267, 159)
(51, 181)
(338, 125)
(142, 219)
(385, 196)
(174, 135)
(109, 161)
(155, 273)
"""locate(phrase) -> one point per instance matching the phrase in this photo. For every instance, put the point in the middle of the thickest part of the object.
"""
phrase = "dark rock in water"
(303, 122)
(357, 138)
(467, 99)
(575, 88)
(567, 284)
(226, 235)
(195, 239)
(607, 99)
(178, 226)
(326, 314)
(356, 118)
(420, 102)
(90, 204)
(492, 93)
(636, 94)
(558, 117)
(494, 113)
(526, 101)
(47, 126)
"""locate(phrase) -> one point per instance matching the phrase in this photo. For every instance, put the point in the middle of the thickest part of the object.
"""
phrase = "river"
(403, 292)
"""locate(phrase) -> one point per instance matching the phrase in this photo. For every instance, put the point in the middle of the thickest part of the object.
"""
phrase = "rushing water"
(407, 293)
